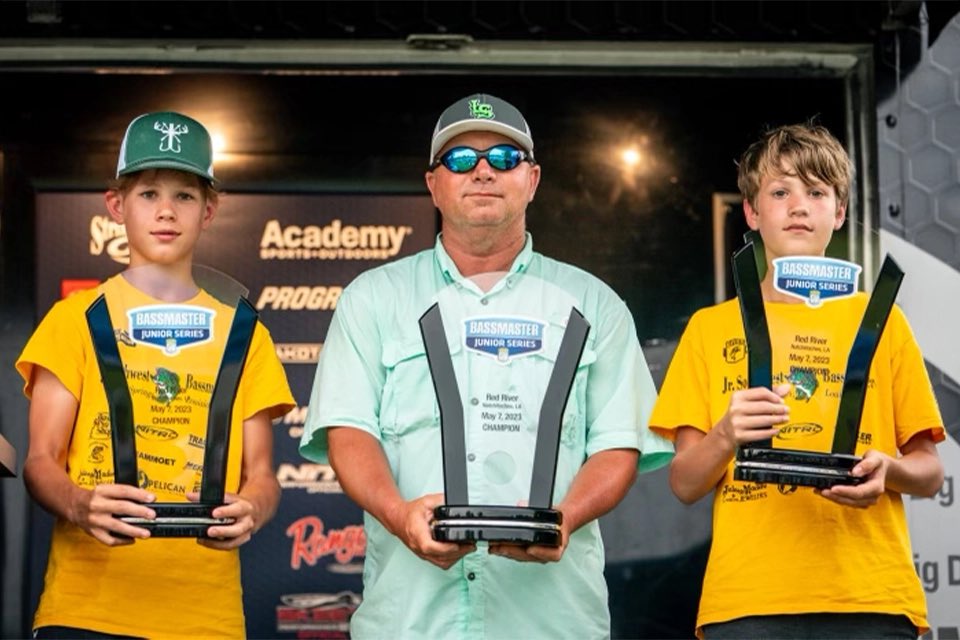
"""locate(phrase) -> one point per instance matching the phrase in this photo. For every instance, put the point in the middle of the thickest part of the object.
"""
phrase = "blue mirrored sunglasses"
(502, 157)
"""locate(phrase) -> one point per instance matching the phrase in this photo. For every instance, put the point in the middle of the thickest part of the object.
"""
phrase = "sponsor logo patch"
(814, 279)
(504, 338)
(171, 327)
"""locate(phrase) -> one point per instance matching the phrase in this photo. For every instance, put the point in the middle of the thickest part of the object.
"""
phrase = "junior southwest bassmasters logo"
(504, 338)
(734, 350)
(171, 328)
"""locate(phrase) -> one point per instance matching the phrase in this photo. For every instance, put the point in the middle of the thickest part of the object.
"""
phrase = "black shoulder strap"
(114, 382)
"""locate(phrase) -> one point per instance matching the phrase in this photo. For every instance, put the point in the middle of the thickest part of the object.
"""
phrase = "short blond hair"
(806, 150)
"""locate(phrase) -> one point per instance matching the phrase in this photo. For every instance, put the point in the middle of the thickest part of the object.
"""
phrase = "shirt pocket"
(574, 423)
(409, 402)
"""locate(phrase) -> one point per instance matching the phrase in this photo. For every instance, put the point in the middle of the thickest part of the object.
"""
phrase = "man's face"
(794, 218)
(482, 198)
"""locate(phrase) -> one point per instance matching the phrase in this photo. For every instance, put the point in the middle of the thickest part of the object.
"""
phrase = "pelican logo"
(482, 110)
(170, 140)
(734, 350)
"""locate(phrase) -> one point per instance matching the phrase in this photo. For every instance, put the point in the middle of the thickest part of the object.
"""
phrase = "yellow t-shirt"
(783, 549)
(164, 587)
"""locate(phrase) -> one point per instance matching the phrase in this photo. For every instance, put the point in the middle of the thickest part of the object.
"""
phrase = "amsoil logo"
(314, 478)
(110, 237)
(335, 241)
(299, 298)
(310, 542)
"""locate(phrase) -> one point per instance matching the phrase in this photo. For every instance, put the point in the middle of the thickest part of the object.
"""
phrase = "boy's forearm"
(917, 473)
(699, 464)
(51, 487)
(263, 493)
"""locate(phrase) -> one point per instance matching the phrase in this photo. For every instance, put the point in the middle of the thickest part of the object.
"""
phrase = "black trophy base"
(179, 520)
(521, 526)
(793, 467)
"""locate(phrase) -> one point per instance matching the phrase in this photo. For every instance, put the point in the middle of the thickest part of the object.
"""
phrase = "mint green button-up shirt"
(373, 375)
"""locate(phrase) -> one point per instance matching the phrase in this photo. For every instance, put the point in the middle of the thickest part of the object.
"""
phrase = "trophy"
(160, 342)
(759, 461)
(492, 339)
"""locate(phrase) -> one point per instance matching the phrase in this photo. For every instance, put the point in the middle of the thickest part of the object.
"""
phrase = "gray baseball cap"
(481, 112)
(166, 140)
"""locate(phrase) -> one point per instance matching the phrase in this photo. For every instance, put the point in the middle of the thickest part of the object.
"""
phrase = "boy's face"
(163, 212)
(794, 218)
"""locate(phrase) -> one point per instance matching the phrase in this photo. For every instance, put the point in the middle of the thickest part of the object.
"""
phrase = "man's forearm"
(363, 473)
(602, 482)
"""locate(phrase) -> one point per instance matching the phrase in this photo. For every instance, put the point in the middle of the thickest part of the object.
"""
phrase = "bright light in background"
(631, 157)
(219, 144)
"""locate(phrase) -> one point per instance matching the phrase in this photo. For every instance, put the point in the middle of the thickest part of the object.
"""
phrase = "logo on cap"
(481, 110)
(170, 140)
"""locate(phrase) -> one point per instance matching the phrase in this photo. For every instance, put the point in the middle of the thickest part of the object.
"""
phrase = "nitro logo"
(310, 543)
(171, 327)
(504, 338)
(815, 280)
(335, 241)
(798, 430)
(107, 235)
(299, 298)
(314, 478)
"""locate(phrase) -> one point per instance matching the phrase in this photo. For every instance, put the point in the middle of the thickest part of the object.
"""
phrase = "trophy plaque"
(759, 461)
(536, 523)
(177, 519)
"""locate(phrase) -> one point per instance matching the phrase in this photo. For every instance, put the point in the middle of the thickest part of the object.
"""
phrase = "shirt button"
(484, 301)
(471, 576)
(474, 401)
(471, 457)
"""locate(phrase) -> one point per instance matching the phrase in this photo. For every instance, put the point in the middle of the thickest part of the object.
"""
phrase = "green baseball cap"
(481, 112)
(166, 140)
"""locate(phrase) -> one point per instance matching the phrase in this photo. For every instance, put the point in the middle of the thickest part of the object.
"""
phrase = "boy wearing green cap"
(104, 576)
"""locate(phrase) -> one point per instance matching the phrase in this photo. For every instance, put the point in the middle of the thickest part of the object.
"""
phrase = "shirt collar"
(452, 274)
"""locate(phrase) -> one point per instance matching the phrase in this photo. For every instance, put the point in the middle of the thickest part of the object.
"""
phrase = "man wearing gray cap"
(374, 415)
